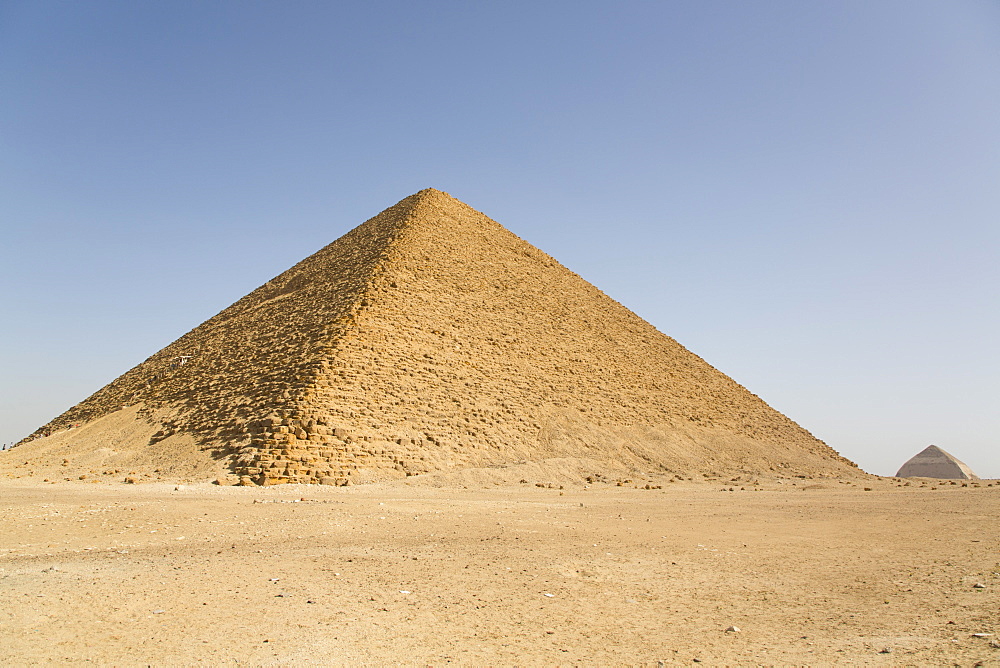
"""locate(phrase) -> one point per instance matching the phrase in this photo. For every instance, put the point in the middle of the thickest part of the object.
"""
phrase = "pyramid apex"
(429, 203)
(431, 193)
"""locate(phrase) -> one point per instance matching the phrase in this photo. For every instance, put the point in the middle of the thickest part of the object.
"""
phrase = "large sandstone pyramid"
(933, 462)
(428, 338)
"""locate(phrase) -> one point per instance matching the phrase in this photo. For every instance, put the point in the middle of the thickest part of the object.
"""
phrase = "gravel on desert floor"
(746, 572)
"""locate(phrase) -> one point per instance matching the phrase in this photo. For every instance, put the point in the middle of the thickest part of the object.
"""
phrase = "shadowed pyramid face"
(431, 338)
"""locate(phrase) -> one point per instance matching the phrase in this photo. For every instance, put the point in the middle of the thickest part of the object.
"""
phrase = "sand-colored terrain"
(512, 469)
(481, 568)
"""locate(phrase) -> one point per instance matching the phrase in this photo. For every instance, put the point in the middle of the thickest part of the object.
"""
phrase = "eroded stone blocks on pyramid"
(431, 338)
(294, 450)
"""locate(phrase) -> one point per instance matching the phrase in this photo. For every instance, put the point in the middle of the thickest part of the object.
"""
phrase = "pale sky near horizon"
(805, 194)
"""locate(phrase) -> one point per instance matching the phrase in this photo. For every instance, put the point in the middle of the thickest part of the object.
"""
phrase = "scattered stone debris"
(300, 500)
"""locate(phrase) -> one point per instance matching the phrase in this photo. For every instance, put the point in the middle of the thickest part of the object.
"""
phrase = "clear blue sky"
(806, 194)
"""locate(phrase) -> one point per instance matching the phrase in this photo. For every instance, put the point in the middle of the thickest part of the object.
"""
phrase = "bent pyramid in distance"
(933, 462)
(429, 338)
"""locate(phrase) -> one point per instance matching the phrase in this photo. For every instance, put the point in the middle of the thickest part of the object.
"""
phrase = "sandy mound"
(125, 442)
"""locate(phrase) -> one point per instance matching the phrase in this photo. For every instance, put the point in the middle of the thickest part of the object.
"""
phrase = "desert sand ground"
(494, 571)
